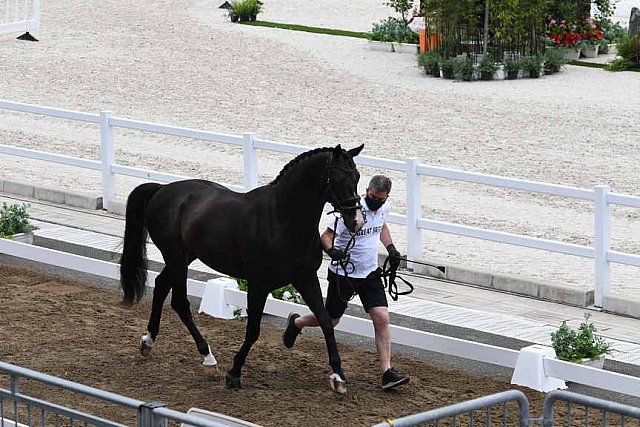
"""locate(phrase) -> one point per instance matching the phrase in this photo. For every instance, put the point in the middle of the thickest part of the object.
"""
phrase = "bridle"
(349, 204)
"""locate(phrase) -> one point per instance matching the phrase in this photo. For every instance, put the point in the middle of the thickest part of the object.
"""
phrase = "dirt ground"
(79, 332)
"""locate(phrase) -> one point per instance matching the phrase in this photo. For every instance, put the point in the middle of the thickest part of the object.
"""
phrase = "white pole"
(414, 209)
(250, 161)
(107, 156)
(602, 236)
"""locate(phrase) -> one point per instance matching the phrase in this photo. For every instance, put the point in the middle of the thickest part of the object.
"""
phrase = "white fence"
(566, 371)
(602, 198)
(19, 16)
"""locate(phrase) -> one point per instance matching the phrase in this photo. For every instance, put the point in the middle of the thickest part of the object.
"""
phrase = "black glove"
(394, 256)
(335, 254)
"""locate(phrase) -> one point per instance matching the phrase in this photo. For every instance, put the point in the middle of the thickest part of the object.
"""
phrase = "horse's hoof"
(211, 372)
(145, 349)
(233, 383)
(337, 384)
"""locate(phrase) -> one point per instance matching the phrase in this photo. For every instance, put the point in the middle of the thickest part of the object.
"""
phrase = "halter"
(349, 204)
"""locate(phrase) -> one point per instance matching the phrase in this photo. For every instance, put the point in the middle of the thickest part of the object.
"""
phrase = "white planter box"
(23, 238)
(406, 48)
(381, 46)
(594, 363)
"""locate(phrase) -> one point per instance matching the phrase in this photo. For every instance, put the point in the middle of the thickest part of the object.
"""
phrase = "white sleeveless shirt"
(364, 253)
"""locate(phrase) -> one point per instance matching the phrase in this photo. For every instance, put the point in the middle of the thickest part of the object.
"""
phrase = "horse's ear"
(336, 151)
(355, 151)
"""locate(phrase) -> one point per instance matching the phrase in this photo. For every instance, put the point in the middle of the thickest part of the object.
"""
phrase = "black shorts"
(341, 289)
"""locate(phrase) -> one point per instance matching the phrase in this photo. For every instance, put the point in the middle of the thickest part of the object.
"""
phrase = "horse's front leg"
(256, 299)
(312, 295)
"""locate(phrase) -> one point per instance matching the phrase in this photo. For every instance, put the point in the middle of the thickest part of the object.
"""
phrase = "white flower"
(286, 295)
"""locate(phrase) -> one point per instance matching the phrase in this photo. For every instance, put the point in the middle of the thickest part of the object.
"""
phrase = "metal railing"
(494, 410)
(602, 198)
(17, 408)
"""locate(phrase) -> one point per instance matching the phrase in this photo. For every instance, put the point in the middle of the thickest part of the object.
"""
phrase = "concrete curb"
(75, 199)
(506, 283)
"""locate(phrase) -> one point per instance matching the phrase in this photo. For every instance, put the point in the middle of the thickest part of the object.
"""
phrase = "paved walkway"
(448, 303)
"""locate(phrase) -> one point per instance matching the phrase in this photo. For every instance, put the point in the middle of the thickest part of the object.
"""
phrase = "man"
(359, 273)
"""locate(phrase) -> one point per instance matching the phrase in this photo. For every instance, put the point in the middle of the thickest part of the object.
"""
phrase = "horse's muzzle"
(353, 220)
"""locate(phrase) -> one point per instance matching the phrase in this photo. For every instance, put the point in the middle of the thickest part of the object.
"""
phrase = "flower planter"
(590, 51)
(381, 46)
(406, 48)
(23, 238)
(512, 74)
(572, 54)
(594, 363)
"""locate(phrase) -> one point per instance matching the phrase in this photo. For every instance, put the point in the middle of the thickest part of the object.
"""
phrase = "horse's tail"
(133, 263)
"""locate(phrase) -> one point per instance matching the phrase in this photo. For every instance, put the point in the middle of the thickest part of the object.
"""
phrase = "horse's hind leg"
(180, 303)
(256, 299)
(160, 292)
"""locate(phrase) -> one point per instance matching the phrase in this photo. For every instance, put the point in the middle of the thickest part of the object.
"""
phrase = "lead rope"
(389, 275)
(345, 264)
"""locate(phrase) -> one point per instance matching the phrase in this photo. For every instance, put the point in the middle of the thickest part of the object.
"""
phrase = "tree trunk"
(583, 11)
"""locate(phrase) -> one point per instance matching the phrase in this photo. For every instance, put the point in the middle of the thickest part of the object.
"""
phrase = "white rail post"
(107, 156)
(602, 236)
(250, 161)
(414, 210)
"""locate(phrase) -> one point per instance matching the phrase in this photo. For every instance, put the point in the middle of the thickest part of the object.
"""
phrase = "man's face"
(377, 195)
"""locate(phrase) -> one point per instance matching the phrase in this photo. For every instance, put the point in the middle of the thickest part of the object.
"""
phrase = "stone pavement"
(456, 305)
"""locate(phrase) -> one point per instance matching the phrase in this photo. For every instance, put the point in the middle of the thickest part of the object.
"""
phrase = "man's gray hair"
(380, 183)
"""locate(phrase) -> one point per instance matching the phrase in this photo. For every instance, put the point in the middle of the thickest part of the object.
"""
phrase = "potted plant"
(591, 38)
(533, 64)
(430, 62)
(244, 10)
(487, 68)
(553, 60)
(512, 68)
(448, 67)
(15, 224)
(464, 69)
(582, 345)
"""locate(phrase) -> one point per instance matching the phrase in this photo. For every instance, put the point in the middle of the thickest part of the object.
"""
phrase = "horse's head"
(342, 186)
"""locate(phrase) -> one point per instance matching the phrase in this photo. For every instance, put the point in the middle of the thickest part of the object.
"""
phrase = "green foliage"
(620, 64)
(574, 345)
(553, 60)
(487, 65)
(613, 32)
(464, 69)
(448, 67)
(430, 62)
(400, 6)
(512, 65)
(14, 219)
(244, 10)
(285, 293)
(629, 48)
(393, 30)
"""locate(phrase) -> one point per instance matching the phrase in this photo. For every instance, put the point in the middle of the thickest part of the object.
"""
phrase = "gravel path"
(185, 64)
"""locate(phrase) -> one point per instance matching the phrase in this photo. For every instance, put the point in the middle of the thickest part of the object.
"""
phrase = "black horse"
(268, 236)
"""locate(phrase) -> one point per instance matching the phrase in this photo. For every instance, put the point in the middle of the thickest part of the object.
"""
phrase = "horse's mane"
(300, 158)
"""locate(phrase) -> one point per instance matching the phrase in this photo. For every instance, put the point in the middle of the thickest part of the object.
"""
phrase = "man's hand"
(394, 256)
(335, 254)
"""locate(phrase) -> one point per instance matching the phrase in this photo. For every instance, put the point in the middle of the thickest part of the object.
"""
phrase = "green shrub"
(487, 67)
(574, 345)
(463, 69)
(393, 30)
(14, 219)
(244, 10)
(554, 60)
(448, 67)
(430, 62)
